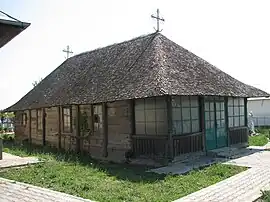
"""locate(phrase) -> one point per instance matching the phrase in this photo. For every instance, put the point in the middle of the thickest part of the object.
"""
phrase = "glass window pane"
(242, 120)
(207, 124)
(206, 106)
(162, 128)
(222, 115)
(218, 106)
(241, 101)
(230, 111)
(236, 111)
(207, 116)
(176, 101)
(176, 114)
(161, 115)
(230, 101)
(218, 117)
(177, 126)
(222, 106)
(222, 123)
(212, 124)
(151, 128)
(186, 127)
(161, 103)
(150, 115)
(231, 122)
(139, 104)
(195, 113)
(195, 126)
(139, 116)
(186, 113)
(212, 106)
(185, 101)
(212, 116)
(140, 128)
(236, 101)
(236, 121)
(194, 101)
(242, 110)
(150, 103)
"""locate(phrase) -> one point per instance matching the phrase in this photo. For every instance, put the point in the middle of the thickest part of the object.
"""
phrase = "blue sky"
(232, 35)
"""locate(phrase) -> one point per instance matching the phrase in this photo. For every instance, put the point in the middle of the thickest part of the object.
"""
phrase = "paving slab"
(22, 192)
(10, 160)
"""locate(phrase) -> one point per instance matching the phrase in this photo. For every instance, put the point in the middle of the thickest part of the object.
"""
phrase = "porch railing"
(183, 144)
(238, 135)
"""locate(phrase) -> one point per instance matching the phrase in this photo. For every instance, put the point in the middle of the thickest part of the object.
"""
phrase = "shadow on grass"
(134, 173)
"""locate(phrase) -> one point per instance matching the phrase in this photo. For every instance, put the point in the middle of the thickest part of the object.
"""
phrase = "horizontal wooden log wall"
(183, 144)
(149, 145)
(238, 135)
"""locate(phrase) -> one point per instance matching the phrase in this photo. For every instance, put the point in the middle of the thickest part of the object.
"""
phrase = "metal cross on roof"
(158, 19)
(68, 51)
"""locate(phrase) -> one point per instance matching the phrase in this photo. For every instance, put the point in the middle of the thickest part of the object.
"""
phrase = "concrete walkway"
(21, 192)
(10, 160)
(243, 187)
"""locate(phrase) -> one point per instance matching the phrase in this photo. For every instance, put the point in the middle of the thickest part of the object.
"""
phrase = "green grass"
(87, 178)
(258, 140)
(265, 196)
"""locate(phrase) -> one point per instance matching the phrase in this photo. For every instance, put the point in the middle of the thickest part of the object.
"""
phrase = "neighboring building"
(9, 29)
(147, 97)
(260, 108)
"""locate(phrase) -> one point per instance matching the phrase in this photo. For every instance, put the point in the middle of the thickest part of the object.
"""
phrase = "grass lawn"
(266, 196)
(258, 140)
(87, 178)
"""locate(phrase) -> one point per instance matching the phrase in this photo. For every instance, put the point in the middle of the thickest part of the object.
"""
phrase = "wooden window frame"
(39, 125)
(183, 119)
(239, 115)
(63, 119)
(95, 115)
(24, 119)
(156, 122)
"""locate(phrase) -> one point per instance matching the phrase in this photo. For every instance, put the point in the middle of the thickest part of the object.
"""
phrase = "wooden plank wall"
(51, 127)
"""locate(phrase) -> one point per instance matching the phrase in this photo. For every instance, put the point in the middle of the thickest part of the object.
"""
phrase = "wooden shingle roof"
(146, 66)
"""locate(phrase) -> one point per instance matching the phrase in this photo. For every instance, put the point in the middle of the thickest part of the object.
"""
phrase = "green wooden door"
(210, 129)
(220, 124)
(215, 127)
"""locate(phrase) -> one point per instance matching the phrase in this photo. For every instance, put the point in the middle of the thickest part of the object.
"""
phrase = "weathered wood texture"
(21, 131)
(119, 129)
(51, 127)
(238, 135)
(187, 143)
(150, 146)
(36, 135)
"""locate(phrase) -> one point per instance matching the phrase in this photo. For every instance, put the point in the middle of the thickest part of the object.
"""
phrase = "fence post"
(1, 149)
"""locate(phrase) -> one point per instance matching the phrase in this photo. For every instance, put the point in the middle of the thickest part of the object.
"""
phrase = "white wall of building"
(261, 111)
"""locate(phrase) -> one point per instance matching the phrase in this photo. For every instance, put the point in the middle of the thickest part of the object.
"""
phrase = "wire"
(10, 16)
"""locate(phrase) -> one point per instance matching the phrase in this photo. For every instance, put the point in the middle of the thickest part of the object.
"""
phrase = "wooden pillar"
(59, 111)
(202, 121)
(105, 129)
(30, 127)
(43, 126)
(78, 140)
(169, 151)
(132, 117)
(227, 121)
(246, 114)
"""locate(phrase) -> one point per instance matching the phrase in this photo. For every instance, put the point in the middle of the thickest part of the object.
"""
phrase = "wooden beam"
(169, 151)
(78, 141)
(246, 114)
(202, 121)
(227, 120)
(132, 117)
(59, 126)
(43, 126)
(30, 127)
(105, 129)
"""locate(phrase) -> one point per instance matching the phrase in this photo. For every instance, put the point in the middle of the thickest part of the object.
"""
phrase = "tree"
(35, 83)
